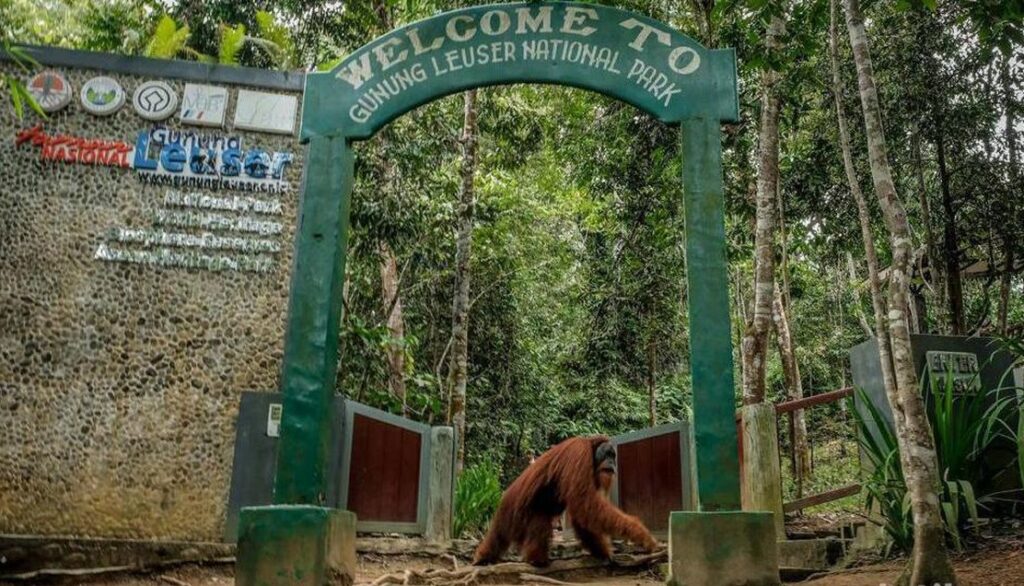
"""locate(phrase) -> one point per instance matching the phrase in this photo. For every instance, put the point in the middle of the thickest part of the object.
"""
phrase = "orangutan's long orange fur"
(561, 479)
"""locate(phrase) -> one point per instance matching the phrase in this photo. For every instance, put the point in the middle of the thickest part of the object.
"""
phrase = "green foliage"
(20, 97)
(964, 425)
(232, 39)
(477, 494)
(275, 39)
(168, 39)
(885, 486)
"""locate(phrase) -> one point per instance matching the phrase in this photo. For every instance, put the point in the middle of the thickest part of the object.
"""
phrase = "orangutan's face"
(604, 462)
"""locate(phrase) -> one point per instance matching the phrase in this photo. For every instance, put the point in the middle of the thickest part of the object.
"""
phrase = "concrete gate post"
(441, 484)
(721, 545)
(762, 474)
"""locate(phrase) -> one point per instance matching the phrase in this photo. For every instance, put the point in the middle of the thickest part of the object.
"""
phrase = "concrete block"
(441, 490)
(816, 555)
(731, 548)
(296, 545)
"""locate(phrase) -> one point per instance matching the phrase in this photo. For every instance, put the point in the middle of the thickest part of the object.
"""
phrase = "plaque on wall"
(51, 90)
(203, 105)
(961, 366)
(102, 96)
(266, 112)
(155, 100)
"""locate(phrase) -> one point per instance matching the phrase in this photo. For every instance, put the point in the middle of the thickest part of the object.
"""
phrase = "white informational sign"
(266, 112)
(102, 96)
(203, 105)
(155, 100)
(274, 420)
(51, 90)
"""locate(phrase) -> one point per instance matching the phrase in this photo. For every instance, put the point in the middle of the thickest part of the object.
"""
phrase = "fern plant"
(477, 494)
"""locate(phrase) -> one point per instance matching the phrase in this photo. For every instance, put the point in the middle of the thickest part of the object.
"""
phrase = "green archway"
(618, 53)
(615, 52)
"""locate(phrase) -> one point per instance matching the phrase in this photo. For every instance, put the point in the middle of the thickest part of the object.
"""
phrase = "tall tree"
(1009, 111)
(458, 370)
(392, 305)
(863, 213)
(755, 339)
(794, 387)
(930, 561)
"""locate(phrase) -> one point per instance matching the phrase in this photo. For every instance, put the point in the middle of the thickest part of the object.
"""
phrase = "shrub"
(964, 426)
(477, 494)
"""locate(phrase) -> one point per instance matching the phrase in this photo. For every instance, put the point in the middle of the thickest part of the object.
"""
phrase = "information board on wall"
(219, 202)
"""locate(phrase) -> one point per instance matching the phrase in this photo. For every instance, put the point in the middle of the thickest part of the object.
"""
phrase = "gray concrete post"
(441, 488)
(762, 475)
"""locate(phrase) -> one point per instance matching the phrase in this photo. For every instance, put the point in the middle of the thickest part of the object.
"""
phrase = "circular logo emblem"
(50, 90)
(155, 100)
(102, 96)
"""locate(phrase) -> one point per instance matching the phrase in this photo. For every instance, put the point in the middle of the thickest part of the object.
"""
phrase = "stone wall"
(120, 372)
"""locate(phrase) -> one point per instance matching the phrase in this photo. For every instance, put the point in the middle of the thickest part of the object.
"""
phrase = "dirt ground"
(994, 562)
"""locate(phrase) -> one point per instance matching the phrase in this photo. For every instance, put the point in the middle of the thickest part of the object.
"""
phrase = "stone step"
(803, 557)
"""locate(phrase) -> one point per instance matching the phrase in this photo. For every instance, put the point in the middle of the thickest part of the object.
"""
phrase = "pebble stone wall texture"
(120, 383)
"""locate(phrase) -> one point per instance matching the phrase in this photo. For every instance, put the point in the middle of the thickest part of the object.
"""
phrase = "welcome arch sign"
(618, 53)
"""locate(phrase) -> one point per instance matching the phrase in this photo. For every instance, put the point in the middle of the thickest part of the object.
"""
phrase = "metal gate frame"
(344, 478)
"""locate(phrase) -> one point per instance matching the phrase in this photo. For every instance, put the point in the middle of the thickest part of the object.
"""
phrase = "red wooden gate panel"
(654, 476)
(385, 470)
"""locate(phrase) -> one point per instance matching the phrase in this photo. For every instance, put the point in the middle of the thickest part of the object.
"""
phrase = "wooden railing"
(791, 407)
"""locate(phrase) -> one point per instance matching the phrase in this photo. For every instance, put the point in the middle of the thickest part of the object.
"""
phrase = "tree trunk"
(1011, 147)
(930, 561)
(863, 215)
(652, 397)
(950, 244)
(794, 389)
(458, 369)
(392, 304)
(935, 270)
(755, 339)
(854, 282)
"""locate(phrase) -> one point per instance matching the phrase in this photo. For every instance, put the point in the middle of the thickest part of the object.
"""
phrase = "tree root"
(516, 572)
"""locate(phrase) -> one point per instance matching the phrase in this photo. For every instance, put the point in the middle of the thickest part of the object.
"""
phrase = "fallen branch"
(516, 572)
(173, 580)
(541, 579)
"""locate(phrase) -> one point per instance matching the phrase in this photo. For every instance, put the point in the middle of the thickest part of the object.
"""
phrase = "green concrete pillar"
(714, 404)
(314, 315)
(722, 549)
(298, 542)
(295, 545)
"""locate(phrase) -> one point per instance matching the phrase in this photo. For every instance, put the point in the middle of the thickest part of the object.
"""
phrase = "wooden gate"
(384, 470)
(656, 473)
(395, 474)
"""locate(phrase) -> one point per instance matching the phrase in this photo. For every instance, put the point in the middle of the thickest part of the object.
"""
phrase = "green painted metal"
(615, 52)
(711, 365)
(722, 548)
(618, 53)
(314, 313)
(295, 545)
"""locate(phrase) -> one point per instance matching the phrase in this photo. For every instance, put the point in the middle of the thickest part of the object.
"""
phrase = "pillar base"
(722, 549)
(296, 545)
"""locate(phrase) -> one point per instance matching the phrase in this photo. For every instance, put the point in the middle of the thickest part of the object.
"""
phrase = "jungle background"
(523, 247)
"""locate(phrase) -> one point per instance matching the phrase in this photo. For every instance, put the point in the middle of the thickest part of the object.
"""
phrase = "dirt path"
(995, 563)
